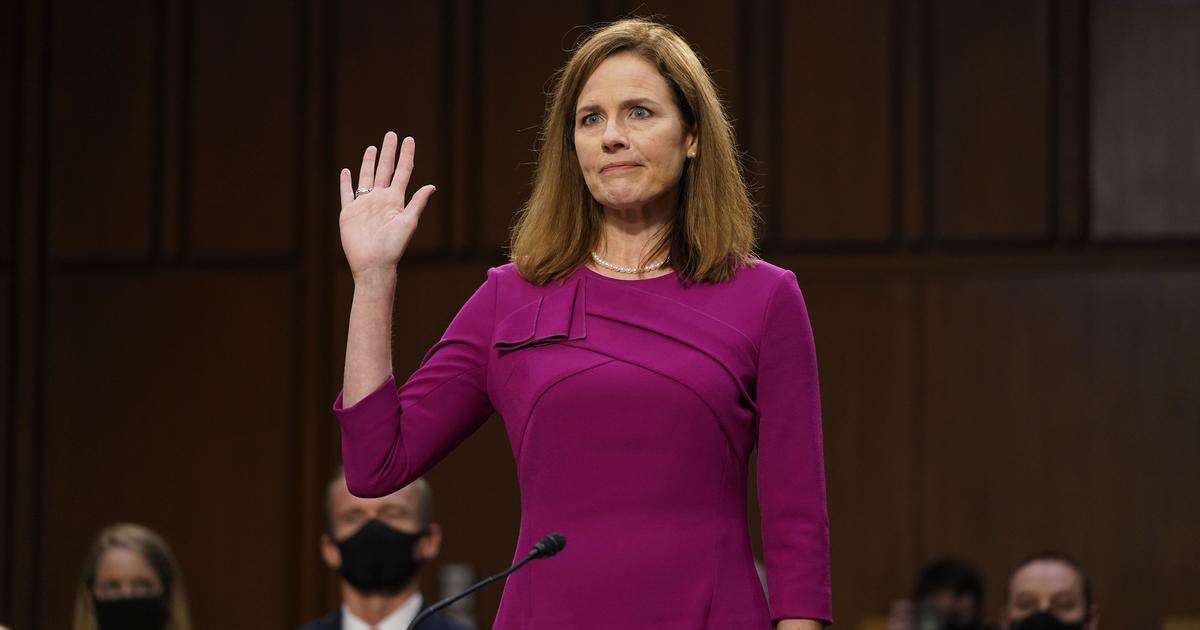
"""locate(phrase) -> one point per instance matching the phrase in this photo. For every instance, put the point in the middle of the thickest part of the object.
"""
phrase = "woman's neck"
(628, 237)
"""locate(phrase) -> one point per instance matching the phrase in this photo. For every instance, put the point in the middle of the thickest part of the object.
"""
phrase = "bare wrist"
(375, 283)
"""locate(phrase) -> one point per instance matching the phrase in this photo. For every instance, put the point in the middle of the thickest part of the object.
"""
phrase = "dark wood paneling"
(169, 406)
(391, 74)
(1054, 421)
(522, 47)
(834, 177)
(912, 117)
(863, 325)
(10, 51)
(101, 141)
(719, 48)
(1069, 72)
(24, 579)
(990, 118)
(243, 128)
(314, 435)
(1145, 127)
(9, 512)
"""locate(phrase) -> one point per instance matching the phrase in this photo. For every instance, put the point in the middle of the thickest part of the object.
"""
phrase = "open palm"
(376, 226)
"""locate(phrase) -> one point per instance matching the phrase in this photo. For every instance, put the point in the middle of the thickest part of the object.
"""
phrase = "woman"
(634, 347)
(131, 582)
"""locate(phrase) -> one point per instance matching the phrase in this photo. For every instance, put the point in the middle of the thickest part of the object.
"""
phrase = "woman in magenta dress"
(636, 350)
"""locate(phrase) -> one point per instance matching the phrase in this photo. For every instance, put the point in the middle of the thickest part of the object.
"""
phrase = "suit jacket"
(333, 621)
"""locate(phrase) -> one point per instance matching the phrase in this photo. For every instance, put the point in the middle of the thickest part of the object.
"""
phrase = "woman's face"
(630, 136)
(123, 573)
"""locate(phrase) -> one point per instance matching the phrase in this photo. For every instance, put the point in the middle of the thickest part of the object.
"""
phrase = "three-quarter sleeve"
(791, 469)
(392, 436)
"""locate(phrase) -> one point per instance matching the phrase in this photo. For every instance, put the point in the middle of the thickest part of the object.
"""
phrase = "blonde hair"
(158, 555)
(712, 232)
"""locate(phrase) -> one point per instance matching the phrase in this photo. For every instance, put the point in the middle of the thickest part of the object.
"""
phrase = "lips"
(618, 166)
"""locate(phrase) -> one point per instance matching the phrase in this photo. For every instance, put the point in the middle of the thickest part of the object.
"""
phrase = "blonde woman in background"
(131, 582)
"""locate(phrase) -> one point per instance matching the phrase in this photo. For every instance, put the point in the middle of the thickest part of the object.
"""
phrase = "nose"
(614, 137)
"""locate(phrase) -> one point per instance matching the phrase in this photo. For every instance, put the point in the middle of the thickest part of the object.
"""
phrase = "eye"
(1023, 603)
(639, 112)
(590, 119)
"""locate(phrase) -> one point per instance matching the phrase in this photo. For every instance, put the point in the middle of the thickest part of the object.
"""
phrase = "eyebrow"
(625, 104)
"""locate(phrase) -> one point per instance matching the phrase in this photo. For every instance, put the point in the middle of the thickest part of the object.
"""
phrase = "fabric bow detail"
(556, 316)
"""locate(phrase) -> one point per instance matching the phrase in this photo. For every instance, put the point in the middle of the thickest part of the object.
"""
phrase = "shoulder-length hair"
(158, 555)
(712, 231)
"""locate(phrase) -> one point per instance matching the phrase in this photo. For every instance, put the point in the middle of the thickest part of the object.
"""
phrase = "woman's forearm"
(369, 338)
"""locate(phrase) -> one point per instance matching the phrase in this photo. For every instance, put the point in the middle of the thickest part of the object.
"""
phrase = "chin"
(624, 202)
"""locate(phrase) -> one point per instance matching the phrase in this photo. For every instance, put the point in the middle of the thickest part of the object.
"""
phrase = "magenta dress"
(632, 408)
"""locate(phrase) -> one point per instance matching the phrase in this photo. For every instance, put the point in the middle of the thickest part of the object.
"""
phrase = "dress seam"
(534, 403)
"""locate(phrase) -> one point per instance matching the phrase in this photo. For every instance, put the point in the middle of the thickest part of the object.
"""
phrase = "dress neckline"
(592, 272)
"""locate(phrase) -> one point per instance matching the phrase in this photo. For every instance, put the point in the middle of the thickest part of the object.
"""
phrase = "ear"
(1093, 621)
(431, 544)
(691, 143)
(330, 553)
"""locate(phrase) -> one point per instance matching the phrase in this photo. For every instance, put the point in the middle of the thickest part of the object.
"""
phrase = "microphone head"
(549, 545)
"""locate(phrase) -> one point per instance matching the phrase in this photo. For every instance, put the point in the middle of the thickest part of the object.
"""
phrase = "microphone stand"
(546, 547)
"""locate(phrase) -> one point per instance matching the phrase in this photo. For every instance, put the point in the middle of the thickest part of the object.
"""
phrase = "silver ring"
(361, 191)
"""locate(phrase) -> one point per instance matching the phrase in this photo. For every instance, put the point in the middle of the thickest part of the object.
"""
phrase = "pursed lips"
(618, 166)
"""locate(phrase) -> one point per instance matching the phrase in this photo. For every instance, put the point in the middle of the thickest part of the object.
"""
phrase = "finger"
(404, 165)
(417, 204)
(345, 189)
(366, 172)
(387, 161)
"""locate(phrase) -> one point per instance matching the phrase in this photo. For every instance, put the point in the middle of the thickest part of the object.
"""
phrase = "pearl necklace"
(635, 270)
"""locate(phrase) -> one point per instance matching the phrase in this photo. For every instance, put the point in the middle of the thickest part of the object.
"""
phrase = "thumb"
(416, 205)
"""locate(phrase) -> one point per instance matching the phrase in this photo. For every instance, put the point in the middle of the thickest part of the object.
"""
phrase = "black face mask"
(132, 613)
(379, 559)
(1043, 621)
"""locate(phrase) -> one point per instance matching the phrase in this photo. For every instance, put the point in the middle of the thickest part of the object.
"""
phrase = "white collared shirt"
(398, 620)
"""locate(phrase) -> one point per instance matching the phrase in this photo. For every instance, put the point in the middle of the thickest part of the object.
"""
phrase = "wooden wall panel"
(863, 326)
(834, 179)
(244, 139)
(9, 513)
(392, 73)
(521, 48)
(1053, 424)
(990, 118)
(169, 405)
(913, 118)
(1069, 78)
(721, 49)
(102, 123)
(1145, 127)
(10, 47)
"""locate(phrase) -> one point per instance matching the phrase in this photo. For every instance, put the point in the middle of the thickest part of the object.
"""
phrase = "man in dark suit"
(378, 546)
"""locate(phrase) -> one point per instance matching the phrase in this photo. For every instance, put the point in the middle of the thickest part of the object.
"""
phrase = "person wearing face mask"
(1050, 591)
(131, 582)
(948, 596)
(379, 546)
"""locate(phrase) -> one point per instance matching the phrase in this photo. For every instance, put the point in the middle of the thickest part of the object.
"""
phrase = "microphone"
(549, 545)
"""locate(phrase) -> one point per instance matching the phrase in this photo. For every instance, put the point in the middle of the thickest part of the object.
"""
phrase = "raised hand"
(377, 225)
